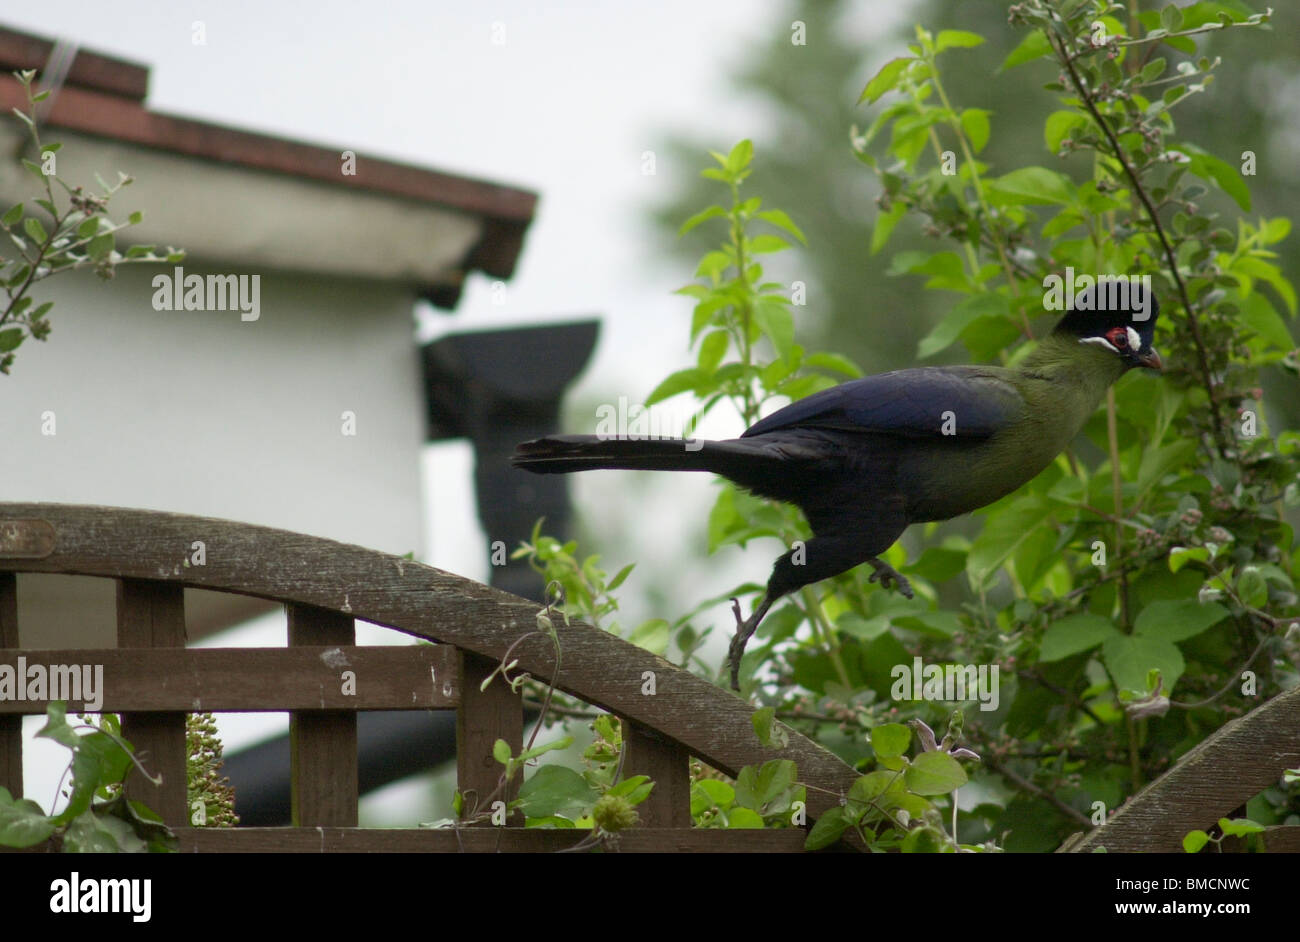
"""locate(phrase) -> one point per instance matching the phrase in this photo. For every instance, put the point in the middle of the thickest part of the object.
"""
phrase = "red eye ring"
(1119, 337)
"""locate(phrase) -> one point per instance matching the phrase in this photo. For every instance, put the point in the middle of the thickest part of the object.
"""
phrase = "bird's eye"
(1119, 337)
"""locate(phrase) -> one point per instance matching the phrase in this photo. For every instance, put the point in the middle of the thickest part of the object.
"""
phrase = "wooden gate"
(153, 680)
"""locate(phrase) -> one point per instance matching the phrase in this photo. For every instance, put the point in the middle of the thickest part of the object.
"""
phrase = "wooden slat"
(483, 840)
(246, 680)
(11, 726)
(484, 717)
(1283, 839)
(323, 744)
(152, 615)
(601, 669)
(1221, 772)
(668, 765)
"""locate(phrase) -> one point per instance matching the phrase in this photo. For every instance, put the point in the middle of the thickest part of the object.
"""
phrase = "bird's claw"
(744, 629)
(890, 578)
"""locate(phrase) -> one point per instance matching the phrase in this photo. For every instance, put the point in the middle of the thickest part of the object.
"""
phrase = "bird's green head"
(1118, 315)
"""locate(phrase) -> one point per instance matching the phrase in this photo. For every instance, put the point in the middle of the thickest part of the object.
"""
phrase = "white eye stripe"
(1134, 341)
(1102, 341)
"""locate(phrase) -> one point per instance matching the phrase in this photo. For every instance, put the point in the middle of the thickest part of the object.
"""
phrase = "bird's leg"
(889, 577)
(744, 629)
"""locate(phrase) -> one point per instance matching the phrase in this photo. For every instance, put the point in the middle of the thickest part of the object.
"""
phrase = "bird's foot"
(889, 577)
(745, 628)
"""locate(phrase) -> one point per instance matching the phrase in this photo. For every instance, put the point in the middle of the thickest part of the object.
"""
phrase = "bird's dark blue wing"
(910, 403)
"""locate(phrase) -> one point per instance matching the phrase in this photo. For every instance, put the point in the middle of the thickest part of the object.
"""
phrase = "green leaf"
(1074, 634)
(10, 339)
(35, 231)
(1193, 841)
(711, 793)
(1171, 18)
(1177, 620)
(713, 212)
(956, 39)
(1130, 657)
(938, 564)
(780, 219)
(975, 123)
(1180, 556)
(652, 636)
(1033, 185)
(1251, 587)
(827, 829)
(885, 224)
(501, 751)
(676, 383)
(740, 156)
(940, 624)
(13, 216)
(135, 219)
(1005, 529)
(1208, 167)
(886, 80)
(1258, 313)
(965, 312)
(1253, 267)
(767, 242)
(635, 789)
(564, 742)
(712, 349)
(770, 732)
(620, 578)
(776, 321)
(890, 740)
(90, 833)
(1034, 46)
(836, 362)
(934, 773)
(1239, 827)
(22, 822)
(88, 227)
(1153, 70)
(1058, 127)
(556, 790)
(56, 725)
(756, 788)
(744, 818)
(100, 246)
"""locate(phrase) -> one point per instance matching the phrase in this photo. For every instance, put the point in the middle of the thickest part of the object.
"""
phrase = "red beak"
(1151, 360)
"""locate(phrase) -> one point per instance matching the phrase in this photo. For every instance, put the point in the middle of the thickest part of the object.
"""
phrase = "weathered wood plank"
(1283, 839)
(484, 717)
(11, 726)
(481, 840)
(244, 680)
(428, 603)
(1223, 771)
(152, 615)
(323, 744)
(668, 765)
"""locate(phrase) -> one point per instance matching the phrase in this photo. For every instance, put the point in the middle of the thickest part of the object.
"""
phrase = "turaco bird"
(866, 458)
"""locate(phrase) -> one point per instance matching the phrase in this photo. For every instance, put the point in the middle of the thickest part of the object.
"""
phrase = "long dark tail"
(562, 454)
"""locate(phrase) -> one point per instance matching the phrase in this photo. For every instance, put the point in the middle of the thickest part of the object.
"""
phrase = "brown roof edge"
(103, 97)
(19, 50)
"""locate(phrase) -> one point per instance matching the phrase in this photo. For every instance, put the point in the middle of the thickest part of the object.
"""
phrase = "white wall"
(202, 413)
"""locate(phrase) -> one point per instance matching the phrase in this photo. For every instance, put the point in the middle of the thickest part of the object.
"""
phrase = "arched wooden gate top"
(705, 720)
